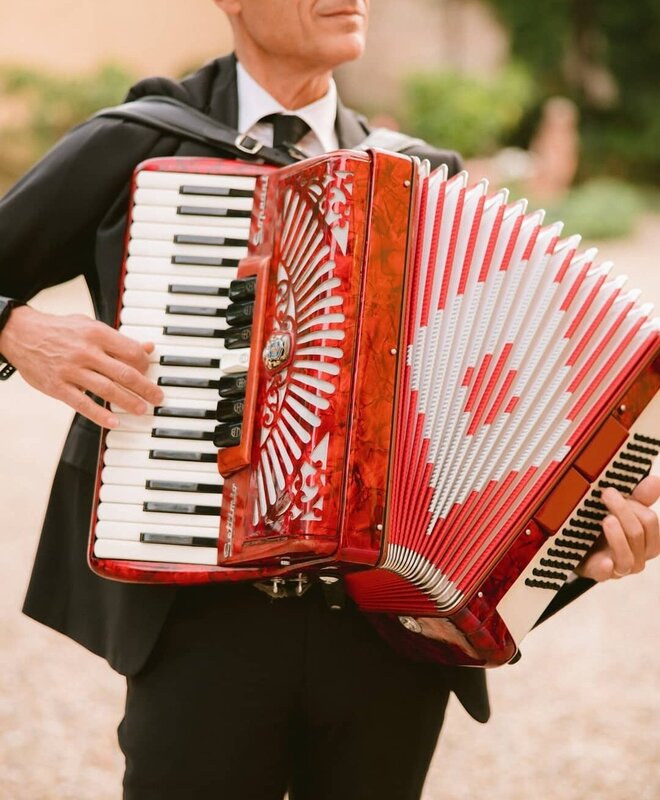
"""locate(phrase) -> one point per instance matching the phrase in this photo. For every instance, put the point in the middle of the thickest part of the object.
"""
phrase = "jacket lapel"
(351, 129)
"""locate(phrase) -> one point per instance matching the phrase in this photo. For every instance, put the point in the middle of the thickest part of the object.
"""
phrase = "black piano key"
(188, 413)
(190, 383)
(233, 385)
(207, 291)
(189, 361)
(239, 313)
(215, 191)
(196, 311)
(211, 241)
(237, 338)
(182, 433)
(227, 435)
(182, 455)
(204, 261)
(243, 289)
(180, 508)
(201, 333)
(230, 410)
(183, 486)
(209, 211)
(178, 539)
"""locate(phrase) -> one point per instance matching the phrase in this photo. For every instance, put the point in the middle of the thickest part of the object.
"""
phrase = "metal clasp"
(279, 588)
(246, 144)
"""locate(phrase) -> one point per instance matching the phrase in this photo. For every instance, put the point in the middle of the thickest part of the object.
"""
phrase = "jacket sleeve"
(48, 220)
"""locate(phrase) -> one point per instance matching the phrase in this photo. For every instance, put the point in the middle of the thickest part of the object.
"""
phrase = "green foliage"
(464, 113)
(602, 208)
(623, 41)
(47, 107)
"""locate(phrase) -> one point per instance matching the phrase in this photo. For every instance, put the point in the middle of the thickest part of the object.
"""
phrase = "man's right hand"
(65, 356)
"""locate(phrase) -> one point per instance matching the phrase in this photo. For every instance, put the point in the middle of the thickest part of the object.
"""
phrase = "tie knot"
(288, 129)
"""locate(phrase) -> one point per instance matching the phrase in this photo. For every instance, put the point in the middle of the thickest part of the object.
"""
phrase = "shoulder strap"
(386, 139)
(175, 117)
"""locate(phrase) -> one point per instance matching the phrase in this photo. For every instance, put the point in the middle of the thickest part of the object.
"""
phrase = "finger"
(111, 392)
(597, 565)
(647, 490)
(649, 521)
(84, 405)
(128, 377)
(121, 347)
(624, 532)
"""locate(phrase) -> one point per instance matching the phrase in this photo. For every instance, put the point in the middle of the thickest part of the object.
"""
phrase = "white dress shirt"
(254, 103)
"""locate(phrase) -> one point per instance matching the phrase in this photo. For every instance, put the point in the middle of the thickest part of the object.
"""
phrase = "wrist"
(10, 336)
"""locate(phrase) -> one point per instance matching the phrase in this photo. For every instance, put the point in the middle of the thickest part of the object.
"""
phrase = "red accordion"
(436, 390)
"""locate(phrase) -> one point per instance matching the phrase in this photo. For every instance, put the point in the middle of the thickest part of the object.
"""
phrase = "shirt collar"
(254, 102)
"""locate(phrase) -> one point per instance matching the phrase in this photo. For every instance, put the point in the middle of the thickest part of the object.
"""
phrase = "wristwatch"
(7, 305)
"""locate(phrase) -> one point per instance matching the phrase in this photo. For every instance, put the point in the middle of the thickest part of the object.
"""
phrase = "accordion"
(376, 376)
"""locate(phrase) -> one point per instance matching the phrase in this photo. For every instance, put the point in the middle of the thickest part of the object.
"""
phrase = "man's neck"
(291, 84)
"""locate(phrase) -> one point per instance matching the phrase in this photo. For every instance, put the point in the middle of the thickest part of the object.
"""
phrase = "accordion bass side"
(439, 388)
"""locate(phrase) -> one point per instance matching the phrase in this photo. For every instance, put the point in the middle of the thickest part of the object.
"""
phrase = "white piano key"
(167, 554)
(156, 249)
(140, 459)
(117, 439)
(126, 476)
(161, 179)
(137, 299)
(185, 393)
(134, 495)
(173, 199)
(154, 316)
(156, 371)
(159, 230)
(170, 215)
(130, 531)
(148, 333)
(146, 423)
(125, 512)
(191, 403)
(146, 282)
(218, 352)
(164, 266)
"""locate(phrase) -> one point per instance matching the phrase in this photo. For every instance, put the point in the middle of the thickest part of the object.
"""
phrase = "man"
(229, 694)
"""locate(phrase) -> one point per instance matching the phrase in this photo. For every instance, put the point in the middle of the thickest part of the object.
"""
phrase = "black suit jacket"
(65, 218)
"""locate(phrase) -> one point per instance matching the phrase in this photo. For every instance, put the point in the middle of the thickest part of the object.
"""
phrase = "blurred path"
(576, 719)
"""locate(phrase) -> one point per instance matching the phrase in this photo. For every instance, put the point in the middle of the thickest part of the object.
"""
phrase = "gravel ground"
(576, 719)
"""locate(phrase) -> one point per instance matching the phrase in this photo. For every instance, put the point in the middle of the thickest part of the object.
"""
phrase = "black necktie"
(288, 129)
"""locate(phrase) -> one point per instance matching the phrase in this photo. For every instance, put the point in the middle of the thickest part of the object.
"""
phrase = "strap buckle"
(246, 144)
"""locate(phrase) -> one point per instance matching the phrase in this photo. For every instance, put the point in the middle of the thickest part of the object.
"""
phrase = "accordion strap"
(175, 117)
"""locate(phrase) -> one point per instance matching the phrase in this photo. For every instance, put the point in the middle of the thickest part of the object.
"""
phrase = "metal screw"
(406, 184)
(480, 594)
(393, 351)
(528, 532)
(285, 562)
(622, 408)
(379, 527)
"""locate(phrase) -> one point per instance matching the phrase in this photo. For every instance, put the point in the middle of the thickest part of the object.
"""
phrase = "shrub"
(464, 113)
(602, 208)
(50, 106)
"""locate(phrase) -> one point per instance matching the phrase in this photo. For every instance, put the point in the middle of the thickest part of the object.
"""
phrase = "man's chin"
(341, 49)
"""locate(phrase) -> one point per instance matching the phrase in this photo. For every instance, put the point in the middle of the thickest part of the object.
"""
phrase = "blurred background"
(558, 101)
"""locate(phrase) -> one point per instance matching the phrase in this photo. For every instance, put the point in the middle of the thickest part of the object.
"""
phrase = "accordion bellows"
(439, 388)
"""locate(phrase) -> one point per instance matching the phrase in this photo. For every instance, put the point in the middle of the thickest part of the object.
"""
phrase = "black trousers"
(245, 697)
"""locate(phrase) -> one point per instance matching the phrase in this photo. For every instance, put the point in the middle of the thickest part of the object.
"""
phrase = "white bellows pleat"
(515, 342)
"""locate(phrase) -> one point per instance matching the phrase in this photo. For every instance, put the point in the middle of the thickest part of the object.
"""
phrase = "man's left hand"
(631, 533)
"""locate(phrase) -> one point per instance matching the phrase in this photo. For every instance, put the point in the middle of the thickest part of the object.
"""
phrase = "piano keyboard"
(161, 490)
(552, 565)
